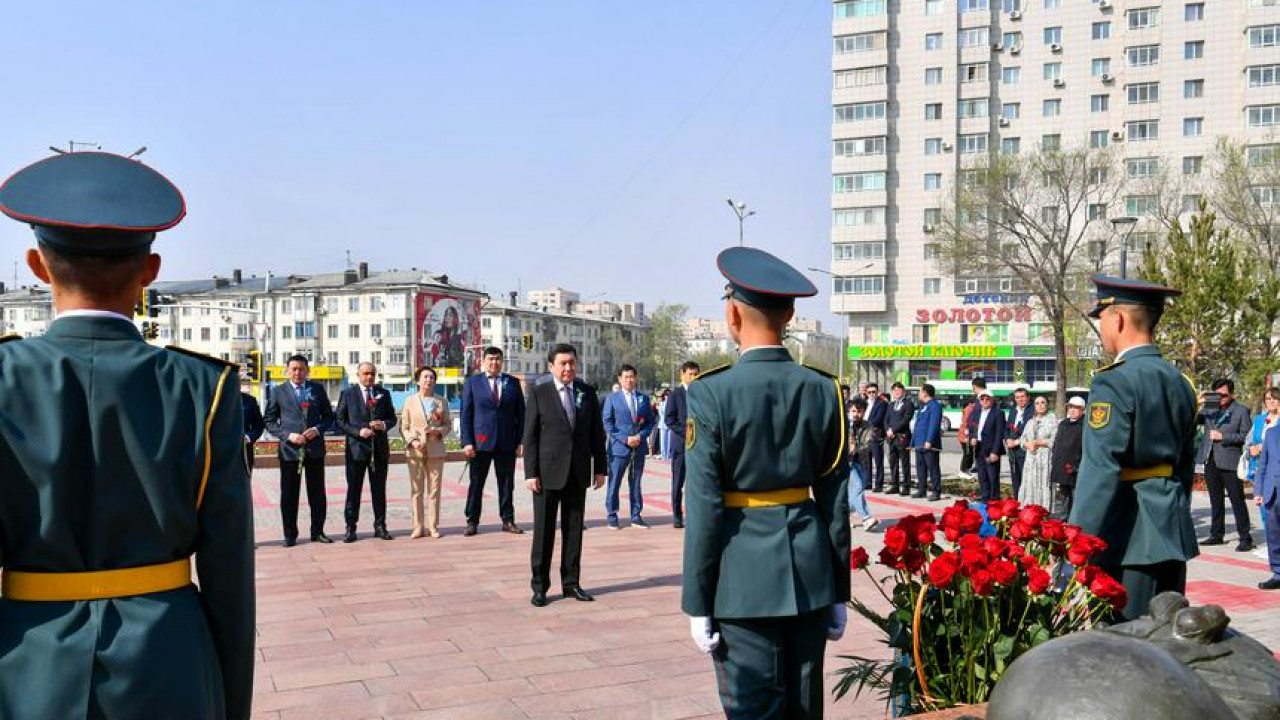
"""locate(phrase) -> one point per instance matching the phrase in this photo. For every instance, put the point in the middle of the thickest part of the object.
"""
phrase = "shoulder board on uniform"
(7, 338)
(1112, 366)
(713, 371)
(820, 371)
(192, 353)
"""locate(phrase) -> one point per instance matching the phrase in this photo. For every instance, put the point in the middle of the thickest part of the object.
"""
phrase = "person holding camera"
(1226, 425)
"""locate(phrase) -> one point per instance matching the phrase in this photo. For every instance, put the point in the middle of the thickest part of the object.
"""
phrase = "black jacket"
(898, 419)
(354, 415)
(1067, 448)
(556, 452)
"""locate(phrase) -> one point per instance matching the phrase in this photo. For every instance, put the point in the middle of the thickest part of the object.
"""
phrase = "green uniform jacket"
(103, 445)
(1141, 414)
(765, 424)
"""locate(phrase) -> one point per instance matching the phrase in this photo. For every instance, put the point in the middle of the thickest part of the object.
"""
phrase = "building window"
(1138, 205)
(1010, 6)
(1262, 155)
(859, 147)
(375, 304)
(1098, 138)
(862, 42)
(1053, 71)
(1193, 50)
(1143, 93)
(1142, 130)
(861, 77)
(1101, 30)
(973, 108)
(353, 304)
(1099, 103)
(1143, 167)
(1191, 203)
(973, 72)
(1100, 66)
(1144, 18)
(933, 111)
(1264, 37)
(933, 76)
(1053, 35)
(286, 307)
(932, 7)
(375, 330)
(1052, 4)
(331, 332)
(932, 286)
(933, 146)
(974, 37)
(923, 371)
(1142, 55)
(1193, 12)
(1010, 75)
(858, 217)
(994, 334)
(925, 334)
(353, 357)
(858, 112)
(858, 251)
(1263, 75)
(932, 217)
(1011, 111)
(1191, 164)
(858, 182)
(1264, 115)
(973, 6)
(331, 305)
(973, 144)
(1012, 40)
(1011, 145)
(1192, 126)
(875, 334)
(1051, 142)
(859, 9)
(186, 334)
(353, 331)
(931, 250)
(1052, 107)
(933, 181)
(1193, 89)
(873, 285)
(933, 41)
(1097, 211)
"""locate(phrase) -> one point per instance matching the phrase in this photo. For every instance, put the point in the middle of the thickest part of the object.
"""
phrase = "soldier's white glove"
(839, 619)
(700, 629)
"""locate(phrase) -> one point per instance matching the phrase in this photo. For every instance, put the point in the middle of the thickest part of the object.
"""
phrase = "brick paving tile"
(328, 675)
(670, 709)
(428, 663)
(492, 691)
(438, 678)
(276, 700)
(372, 708)
(534, 667)
(575, 700)
(496, 710)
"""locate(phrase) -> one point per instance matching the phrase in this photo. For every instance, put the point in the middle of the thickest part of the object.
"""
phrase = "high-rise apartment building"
(924, 87)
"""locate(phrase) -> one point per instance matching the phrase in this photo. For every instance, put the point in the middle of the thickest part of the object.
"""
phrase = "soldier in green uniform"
(766, 552)
(119, 463)
(1134, 483)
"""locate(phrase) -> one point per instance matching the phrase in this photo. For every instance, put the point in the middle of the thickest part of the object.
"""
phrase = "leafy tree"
(662, 347)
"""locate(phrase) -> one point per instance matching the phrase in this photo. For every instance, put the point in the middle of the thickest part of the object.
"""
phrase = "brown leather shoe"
(512, 528)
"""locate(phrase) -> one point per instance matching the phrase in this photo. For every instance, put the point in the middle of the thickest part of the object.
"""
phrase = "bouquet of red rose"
(1003, 579)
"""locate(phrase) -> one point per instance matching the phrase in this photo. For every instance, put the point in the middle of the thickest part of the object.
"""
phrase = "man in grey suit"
(298, 413)
(1226, 425)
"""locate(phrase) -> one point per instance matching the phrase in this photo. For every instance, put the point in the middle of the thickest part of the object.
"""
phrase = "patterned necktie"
(493, 388)
(567, 401)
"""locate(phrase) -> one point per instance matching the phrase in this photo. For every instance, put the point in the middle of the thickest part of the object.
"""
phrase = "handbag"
(1242, 467)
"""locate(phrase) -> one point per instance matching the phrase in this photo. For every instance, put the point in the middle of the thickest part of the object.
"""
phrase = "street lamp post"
(844, 338)
(740, 209)
(1130, 222)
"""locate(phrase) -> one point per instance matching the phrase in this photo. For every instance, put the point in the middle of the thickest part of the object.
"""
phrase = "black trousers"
(377, 471)
(290, 489)
(1143, 582)
(966, 457)
(988, 477)
(677, 481)
(1017, 458)
(570, 503)
(876, 471)
(771, 668)
(1225, 480)
(1063, 498)
(929, 468)
(900, 459)
(504, 466)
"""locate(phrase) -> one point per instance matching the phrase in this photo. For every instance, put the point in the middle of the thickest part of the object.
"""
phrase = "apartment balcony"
(864, 128)
(866, 198)
(859, 303)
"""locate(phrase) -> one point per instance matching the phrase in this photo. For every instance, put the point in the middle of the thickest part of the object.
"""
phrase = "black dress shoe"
(539, 599)
(891, 490)
(678, 524)
(321, 538)
(935, 497)
(918, 495)
(510, 527)
(1272, 584)
(577, 593)
(351, 536)
(905, 492)
(1245, 545)
(1213, 541)
(381, 533)
(472, 529)
(290, 541)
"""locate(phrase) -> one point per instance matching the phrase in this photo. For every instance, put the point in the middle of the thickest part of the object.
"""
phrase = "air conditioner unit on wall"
(997, 47)
(1015, 15)
(1003, 122)
(1059, 83)
(946, 147)
(1107, 79)
(1056, 48)
(928, 228)
(1015, 50)
(1117, 135)
(1104, 4)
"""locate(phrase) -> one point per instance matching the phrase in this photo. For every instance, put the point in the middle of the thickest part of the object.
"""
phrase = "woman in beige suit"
(424, 421)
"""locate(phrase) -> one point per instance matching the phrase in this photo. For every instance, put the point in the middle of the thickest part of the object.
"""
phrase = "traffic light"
(254, 365)
(148, 304)
(150, 330)
(526, 341)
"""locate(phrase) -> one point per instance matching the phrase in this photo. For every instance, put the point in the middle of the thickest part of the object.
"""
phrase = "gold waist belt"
(768, 498)
(1133, 474)
(95, 585)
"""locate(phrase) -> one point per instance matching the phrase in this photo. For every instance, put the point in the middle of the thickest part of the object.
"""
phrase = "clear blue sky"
(585, 144)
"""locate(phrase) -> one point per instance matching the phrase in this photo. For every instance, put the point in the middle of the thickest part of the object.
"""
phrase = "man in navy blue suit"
(926, 438)
(298, 414)
(988, 445)
(628, 420)
(676, 417)
(492, 429)
(253, 426)
(877, 407)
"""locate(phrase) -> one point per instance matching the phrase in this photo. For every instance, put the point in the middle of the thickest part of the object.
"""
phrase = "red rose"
(1021, 531)
(972, 561)
(1031, 515)
(1084, 548)
(1106, 588)
(994, 546)
(913, 560)
(1086, 574)
(1004, 572)
(922, 529)
(1068, 468)
(1028, 562)
(972, 521)
(952, 534)
(889, 560)
(482, 438)
(1053, 531)
(971, 542)
(982, 582)
(1071, 532)
(896, 540)
(858, 558)
(943, 569)
(995, 510)
(1037, 580)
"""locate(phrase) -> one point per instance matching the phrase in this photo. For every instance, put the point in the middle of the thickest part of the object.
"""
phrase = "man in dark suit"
(877, 408)
(253, 426)
(492, 426)
(1018, 418)
(365, 414)
(298, 414)
(926, 438)
(988, 445)
(628, 421)
(1226, 425)
(564, 453)
(897, 432)
(675, 418)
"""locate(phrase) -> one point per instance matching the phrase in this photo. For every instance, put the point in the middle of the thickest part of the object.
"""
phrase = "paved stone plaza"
(434, 629)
